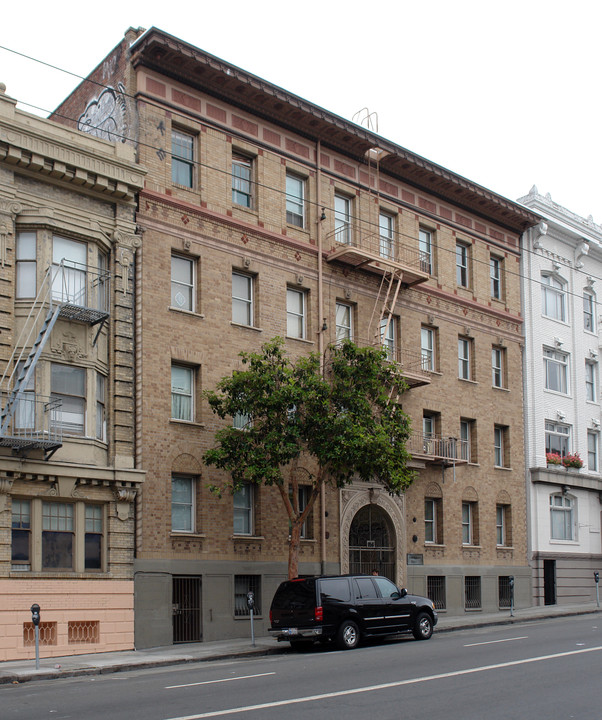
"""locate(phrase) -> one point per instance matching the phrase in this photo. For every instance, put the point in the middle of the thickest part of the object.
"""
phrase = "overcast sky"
(504, 93)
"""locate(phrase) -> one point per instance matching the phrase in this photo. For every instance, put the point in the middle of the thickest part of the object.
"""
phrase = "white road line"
(211, 682)
(492, 642)
(384, 686)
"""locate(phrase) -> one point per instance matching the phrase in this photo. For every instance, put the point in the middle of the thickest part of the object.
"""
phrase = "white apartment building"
(562, 281)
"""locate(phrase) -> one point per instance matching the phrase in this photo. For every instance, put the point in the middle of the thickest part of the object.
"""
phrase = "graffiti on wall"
(105, 116)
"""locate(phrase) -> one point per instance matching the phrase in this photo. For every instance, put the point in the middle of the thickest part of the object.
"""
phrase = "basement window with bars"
(244, 584)
(504, 591)
(435, 590)
(472, 592)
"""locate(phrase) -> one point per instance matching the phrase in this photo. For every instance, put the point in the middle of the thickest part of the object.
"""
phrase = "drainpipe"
(320, 341)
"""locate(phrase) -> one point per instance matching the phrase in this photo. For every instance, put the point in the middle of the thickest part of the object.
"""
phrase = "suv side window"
(335, 589)
(386, 587)
(364, 588)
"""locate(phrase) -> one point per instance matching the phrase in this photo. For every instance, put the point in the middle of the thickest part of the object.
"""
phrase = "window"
(386, 230)
(342, 219)
(244, 584)
(101, 415)
(427, 348)
(295, 200)
(243, 510)
(555, 370)
(472, 592)
(57, 536)
(182, 158)
(69, 271)
(588, 312)
(590, 381)
(465, 358)
(466, 430)
(93, 537)
(429, 424)
(500, 524)
(500, 449)
(242, 299)
(304, 494)
(182, 393)
(429, 429)
(462, 255)
(425, 242)
(592, 451)
(498, 367)
(433, 520)
(26, 265)
(469, 512)
(295, 313)
(68, 384)
(182, 504)
(387, 337)
(182, 283)
(558, 438)
(495, 275)
(21, 535)
(562, 522)
(241, 421)
(344, 322)
(435, 590)
(553, 298)
(241, 181)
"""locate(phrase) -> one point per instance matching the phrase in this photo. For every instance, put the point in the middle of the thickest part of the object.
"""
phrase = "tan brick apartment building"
(265, 215)
(67, 475)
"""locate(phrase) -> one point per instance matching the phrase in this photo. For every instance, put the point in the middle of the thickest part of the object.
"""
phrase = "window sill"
(297, 339)
(504, 547)
(188, 313)
(502, 467)
(502, 389)
(468, 380)
(184, 534)
(246, 327)
(306, 540)
(245, 209)
(61, 574)
(303, 230)
(248, 538)
(434, 545)
(472, 547)
(190, 423)
(573, 543)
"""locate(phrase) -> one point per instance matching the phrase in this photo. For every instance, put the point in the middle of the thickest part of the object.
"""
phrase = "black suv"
(345, 608)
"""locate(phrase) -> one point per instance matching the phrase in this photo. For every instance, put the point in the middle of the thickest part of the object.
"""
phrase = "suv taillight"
(319, 614)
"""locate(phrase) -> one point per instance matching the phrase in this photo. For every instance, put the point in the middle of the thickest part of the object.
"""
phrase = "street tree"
(340, 422)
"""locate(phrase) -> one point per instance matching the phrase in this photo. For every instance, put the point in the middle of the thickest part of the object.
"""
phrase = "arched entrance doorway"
(371, 543)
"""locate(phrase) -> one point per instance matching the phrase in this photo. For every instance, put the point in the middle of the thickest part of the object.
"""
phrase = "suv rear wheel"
(348, 635)
(423, 627)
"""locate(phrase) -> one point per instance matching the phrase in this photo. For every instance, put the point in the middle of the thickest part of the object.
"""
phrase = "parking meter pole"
(35, 619)
(511, 582)
(251, 605)
(597, 581)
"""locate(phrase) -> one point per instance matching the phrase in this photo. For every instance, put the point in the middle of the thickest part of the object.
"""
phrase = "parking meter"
(250, 600)
(597, 580)
(596, 577)
(35, 614)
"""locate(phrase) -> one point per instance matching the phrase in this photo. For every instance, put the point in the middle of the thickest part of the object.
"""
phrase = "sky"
(506, 94)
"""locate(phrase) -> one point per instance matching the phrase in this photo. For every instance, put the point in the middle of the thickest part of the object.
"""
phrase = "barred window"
(244, 584)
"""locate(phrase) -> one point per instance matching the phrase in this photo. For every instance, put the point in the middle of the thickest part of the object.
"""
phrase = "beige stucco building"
(264, 215)
(67, 473)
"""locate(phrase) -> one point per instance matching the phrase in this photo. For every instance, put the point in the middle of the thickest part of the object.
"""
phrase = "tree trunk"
(293, 549)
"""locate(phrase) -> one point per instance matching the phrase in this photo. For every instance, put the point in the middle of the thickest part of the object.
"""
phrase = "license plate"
(290, 631)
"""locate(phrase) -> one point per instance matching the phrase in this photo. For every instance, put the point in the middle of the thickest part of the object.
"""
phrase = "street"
(537, 670)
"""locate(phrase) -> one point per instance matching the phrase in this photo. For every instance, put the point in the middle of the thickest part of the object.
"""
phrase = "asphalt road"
(544, 670)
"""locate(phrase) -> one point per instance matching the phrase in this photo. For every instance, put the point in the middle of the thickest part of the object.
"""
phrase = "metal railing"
(35, 422)
(437, 447)
(377, 246)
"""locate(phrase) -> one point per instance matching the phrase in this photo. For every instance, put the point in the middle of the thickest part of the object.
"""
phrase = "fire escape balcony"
(34, 423)
(413, 365)
(378, 254)
(438, 450)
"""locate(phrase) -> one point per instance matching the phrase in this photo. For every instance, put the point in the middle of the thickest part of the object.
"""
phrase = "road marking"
(492, 642)
(384, 686)
(211, 682)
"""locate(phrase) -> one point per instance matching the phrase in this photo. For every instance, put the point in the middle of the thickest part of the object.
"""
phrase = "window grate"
(242, 585)
(504, 591)
(436, 591)
(83, 632)
(472, 592)
(47, 634)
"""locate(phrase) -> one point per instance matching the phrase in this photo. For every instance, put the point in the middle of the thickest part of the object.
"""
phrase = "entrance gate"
(186, 609)
(371, 544)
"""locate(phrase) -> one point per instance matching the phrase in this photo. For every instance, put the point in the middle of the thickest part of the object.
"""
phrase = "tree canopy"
(342, 423)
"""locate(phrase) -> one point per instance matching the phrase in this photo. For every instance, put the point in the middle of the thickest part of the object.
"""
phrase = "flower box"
(572, 461)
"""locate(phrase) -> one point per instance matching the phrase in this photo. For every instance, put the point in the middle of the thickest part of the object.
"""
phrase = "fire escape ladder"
(28, 368)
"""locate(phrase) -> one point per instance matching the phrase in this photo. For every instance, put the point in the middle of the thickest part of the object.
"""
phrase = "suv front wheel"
(348, 635)
(423, 627)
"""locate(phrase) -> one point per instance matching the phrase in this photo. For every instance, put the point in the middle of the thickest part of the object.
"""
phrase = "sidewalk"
(100, 663)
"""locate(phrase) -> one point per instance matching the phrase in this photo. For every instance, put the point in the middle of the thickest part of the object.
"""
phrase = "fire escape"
(69, 291)
(399, 266)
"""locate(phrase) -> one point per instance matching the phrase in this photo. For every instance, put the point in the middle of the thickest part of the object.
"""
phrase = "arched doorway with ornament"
(372, 534)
